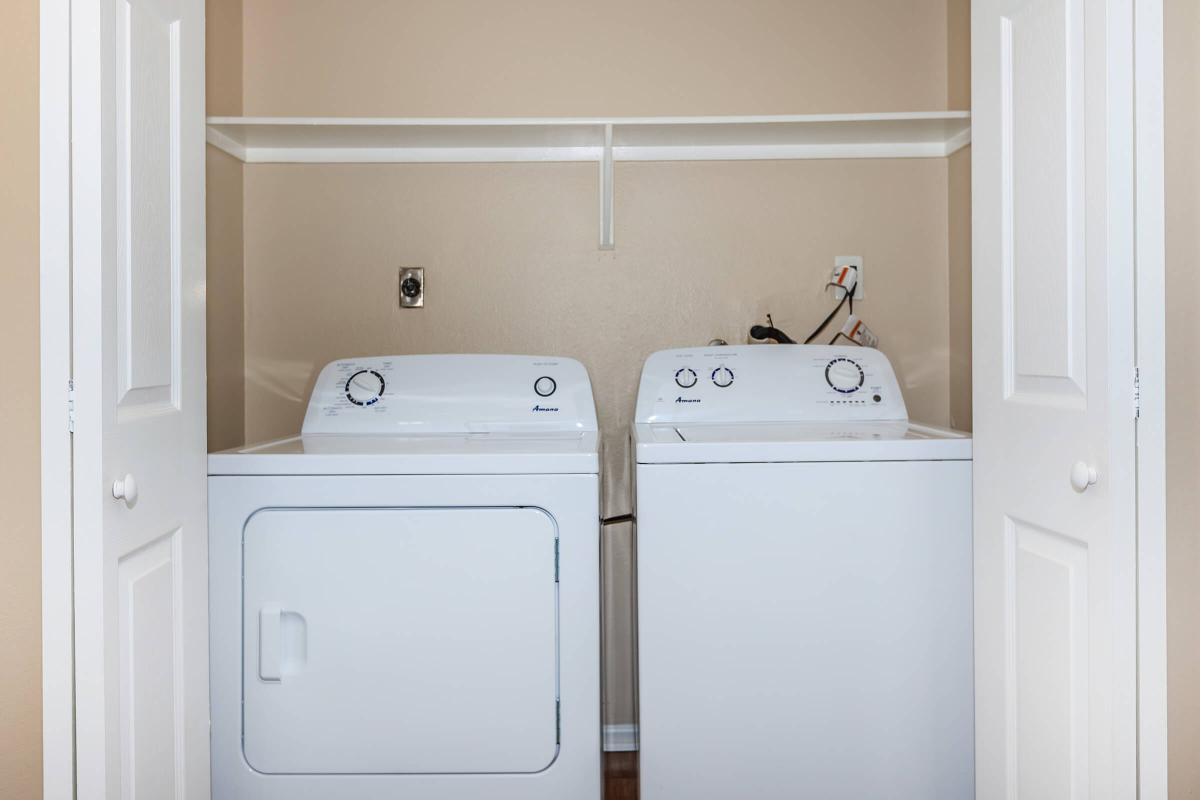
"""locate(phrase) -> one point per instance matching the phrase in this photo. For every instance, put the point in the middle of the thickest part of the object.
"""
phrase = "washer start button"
(545, 386)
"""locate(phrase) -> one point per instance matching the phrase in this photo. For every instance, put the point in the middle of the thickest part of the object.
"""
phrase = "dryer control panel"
(777, 383)
(432, 394)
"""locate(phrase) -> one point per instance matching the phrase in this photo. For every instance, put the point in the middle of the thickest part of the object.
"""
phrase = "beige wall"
(226, 339)
(958, 96)
(225, 335)
(20, 509)
(959, 288)
(1182, 24)
(703, 250)
(958, 54)
(586, 58)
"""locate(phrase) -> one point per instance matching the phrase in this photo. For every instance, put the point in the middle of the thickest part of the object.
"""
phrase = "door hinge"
(556, 560)
(70, 405)
(1137, 393)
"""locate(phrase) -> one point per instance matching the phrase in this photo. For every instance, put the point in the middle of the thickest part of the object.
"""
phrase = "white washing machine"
(405, 597)
(804, 581)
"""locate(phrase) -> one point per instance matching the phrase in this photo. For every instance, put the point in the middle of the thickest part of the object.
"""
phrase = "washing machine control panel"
(777, 383)
(451, 394)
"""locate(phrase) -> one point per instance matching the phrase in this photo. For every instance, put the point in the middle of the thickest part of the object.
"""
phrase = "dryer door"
(401, 640)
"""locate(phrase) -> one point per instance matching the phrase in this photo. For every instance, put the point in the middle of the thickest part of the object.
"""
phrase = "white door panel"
(138, 345)
(532, 500)
(399, 641)
(151, 655)
(807, 627)
(146, 62)
(1042, 205)
(1053, 339)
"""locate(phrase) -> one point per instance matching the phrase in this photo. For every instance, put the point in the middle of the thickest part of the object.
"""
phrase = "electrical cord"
(848, 297)
(770, 332)
(825, 322)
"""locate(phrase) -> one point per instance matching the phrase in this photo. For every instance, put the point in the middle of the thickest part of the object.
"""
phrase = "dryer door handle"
(270, 644)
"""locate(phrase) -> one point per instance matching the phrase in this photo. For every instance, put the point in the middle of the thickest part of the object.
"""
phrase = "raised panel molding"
(149, 589)
(1042, 204)
(1046, 643)
(148, 205)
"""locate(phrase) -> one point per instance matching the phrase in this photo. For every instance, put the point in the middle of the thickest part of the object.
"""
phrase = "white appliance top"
(768, 403)
(388, 395)
(436, 414)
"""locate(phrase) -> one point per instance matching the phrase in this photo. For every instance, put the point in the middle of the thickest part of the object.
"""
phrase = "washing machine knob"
(844, 375)
(365, 387)
(685, 378)
(722, 377)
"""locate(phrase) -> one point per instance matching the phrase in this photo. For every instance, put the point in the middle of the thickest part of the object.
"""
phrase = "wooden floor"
(620, 776)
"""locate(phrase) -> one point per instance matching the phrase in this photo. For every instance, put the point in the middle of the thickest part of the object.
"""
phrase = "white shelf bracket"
(606, 191)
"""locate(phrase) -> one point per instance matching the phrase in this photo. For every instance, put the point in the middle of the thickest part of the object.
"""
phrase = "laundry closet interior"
(306, 245)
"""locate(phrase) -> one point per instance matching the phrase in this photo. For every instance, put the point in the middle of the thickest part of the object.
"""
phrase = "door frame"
(58, 674)
(1150, 355)
(58, 591)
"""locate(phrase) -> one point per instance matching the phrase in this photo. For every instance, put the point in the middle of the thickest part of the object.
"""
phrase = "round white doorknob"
(1082, 476)
(126, 489)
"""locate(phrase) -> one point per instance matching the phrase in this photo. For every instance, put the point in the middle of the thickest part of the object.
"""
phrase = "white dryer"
(405, 597)
(803, 580)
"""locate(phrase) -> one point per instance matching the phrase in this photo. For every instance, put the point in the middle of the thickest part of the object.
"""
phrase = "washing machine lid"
(781, 442)
(436, 414)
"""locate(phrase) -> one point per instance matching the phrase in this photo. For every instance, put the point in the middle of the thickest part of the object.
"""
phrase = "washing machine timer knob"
(722, 377)
(685, 378)
(365, 387)
(844, 375)
(545, 386)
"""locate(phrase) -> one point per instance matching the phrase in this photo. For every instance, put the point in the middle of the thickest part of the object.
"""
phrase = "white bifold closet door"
(1054, 488)
(140, 517)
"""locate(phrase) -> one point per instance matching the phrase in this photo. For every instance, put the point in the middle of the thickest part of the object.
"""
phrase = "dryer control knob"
(365, 387)
(722, 377)
(545, 386)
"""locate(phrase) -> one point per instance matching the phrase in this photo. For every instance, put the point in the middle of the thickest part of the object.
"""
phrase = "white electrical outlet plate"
(857, 263)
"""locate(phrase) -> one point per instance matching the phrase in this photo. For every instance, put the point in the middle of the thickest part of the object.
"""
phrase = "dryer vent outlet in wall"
(412, 287)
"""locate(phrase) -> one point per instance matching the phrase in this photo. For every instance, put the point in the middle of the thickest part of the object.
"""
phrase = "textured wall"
(20, 508)
(959, 289)
(225, 339)
(703, 250)
(584, 58)
(1182, 25)
(958, 96)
